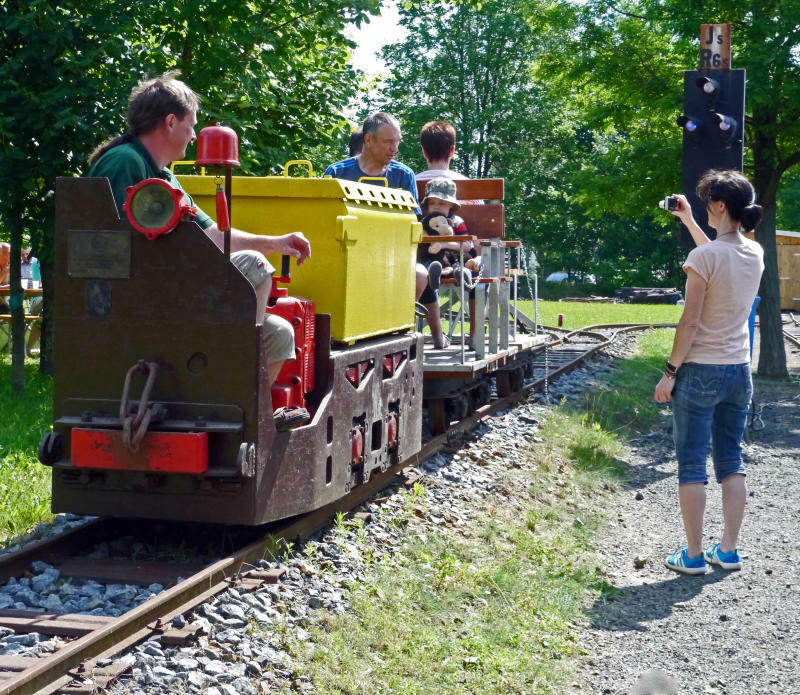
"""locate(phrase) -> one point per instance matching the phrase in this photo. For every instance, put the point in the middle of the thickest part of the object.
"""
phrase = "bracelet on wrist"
(669, 375)
(671, 369)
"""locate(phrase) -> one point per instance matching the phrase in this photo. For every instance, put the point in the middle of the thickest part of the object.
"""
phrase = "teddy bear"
(436, 224)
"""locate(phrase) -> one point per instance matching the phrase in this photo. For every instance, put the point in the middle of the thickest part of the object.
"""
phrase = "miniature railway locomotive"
(161, 404)
(162, 407)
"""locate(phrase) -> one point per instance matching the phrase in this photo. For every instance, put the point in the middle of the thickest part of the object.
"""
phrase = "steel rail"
(52, 672)
(795, 340)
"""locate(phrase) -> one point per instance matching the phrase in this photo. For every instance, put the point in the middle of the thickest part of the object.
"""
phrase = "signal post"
(712, 120)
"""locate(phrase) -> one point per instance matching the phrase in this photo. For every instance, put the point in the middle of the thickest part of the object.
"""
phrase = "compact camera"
(670, 203)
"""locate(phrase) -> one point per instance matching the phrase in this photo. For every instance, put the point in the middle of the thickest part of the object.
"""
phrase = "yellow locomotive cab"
(363, 243)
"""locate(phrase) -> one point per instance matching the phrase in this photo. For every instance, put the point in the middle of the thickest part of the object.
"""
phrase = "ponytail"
(100, 150)
(738, 194)
(750, 216)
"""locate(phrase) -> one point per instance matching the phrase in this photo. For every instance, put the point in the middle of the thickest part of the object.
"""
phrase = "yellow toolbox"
(363, 244)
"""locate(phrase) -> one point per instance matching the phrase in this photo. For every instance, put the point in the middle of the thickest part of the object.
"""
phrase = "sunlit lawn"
(580, 314)
(491, 608)
(24, 482)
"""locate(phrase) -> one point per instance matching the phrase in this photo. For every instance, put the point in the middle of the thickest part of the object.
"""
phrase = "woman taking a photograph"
(707, 376)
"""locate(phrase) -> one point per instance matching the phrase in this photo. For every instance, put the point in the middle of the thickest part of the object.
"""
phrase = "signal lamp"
(725, 123)
(727, 129)
(690, 124)
(709, 86)
(154, 207)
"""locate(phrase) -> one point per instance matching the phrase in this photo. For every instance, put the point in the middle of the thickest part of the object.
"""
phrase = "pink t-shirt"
(731, 267)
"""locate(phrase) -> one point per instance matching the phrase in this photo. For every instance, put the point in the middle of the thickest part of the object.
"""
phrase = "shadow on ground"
(639, 604)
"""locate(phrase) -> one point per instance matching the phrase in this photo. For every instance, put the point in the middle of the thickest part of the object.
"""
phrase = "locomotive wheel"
(437, 416)
(460, 405)
(483, 394)
(517, 379)
(474, 399)
(503, 381)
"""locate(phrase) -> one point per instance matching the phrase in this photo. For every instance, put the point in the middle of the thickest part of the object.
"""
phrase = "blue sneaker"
(679, 561)
(728, 561)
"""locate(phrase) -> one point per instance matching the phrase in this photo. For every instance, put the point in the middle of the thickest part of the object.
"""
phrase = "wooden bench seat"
(483, 221)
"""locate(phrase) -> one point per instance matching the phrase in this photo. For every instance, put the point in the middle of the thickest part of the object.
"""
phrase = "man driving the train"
(161, 117)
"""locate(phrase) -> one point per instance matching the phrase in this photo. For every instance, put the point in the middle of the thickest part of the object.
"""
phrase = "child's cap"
(443, 189)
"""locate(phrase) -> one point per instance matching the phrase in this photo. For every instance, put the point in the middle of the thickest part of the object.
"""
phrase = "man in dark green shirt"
(131, 162)
(162, 115)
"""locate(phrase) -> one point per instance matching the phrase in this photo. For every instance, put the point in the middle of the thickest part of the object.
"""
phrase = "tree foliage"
(274, 70)
(481, 68)
(624, 61)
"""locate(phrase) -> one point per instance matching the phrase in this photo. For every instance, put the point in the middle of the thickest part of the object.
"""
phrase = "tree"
(473, 66)
(48, 124)
(480, 68)
(623, 63)
(276, 71)
(788, 214)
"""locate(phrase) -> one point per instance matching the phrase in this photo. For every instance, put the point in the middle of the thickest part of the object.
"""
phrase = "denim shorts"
(710, 402)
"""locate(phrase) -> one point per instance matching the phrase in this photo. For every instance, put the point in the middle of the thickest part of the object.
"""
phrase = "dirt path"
(725, 633)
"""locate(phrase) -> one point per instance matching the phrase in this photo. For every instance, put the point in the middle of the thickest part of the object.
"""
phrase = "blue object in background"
(751, 323)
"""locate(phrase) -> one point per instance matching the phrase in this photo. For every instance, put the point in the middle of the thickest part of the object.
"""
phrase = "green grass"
(24, 482)
(580, 314)
(484, 614)
(491, 608)
(627, 405)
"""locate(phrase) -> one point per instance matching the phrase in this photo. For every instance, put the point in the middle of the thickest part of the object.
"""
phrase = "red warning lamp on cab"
(154, 207)
(217, 146)
(218, 149)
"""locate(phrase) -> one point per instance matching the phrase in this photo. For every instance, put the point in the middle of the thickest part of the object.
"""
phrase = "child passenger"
(442, 259)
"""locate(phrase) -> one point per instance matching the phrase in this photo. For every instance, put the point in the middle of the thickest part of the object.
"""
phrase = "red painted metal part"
(296, 378)
(223, 217)
(355, 373)
(179, 210)
(217, 145)
(392, 362)
(391, 431)
(357, 438)
(170, 452)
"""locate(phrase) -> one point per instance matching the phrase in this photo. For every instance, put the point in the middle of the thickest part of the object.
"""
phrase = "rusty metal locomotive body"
(161, 403)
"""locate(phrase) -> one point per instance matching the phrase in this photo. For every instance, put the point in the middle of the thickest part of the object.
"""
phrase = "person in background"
(438, 142)
(707, 377)
(381, 138)
(5, 273)
(27, 265)
(162, 114)
(441, 259)
(5, 263)
(26, 269)
(356, 142)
